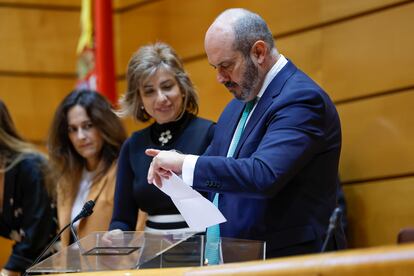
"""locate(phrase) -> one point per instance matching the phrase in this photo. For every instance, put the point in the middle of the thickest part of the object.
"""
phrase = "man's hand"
(163, 163)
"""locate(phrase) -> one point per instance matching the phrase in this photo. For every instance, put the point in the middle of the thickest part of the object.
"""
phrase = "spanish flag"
(96, 70)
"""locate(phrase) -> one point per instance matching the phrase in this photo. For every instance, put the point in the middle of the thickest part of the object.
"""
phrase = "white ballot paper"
(198, 212)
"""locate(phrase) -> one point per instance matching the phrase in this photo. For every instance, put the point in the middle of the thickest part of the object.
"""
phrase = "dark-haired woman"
(84, 143)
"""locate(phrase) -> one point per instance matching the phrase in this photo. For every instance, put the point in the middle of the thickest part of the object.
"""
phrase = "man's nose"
(222, 76)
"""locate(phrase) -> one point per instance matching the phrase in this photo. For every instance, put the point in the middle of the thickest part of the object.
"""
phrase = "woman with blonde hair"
(84, 143)
(158, 89)
(27, 214)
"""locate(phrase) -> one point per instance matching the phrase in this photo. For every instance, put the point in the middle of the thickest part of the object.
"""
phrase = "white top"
(82, 195)
(191, 160)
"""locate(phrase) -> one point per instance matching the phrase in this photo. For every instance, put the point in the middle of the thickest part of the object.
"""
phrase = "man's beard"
(249, 81)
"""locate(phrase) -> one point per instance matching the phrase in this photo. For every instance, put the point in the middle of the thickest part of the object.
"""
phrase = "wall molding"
(134, 6)
(32, 74)
(47, 7)
(370, 180)
(404, 89)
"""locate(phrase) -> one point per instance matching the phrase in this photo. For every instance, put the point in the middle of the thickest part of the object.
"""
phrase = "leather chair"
(406, 235)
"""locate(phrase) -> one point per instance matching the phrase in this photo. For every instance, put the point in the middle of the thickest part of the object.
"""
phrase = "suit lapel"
(272, 91)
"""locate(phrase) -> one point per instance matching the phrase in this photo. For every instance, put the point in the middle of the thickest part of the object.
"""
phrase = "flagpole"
(105, 69)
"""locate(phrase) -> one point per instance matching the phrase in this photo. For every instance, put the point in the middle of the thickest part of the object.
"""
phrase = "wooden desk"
(376, 261)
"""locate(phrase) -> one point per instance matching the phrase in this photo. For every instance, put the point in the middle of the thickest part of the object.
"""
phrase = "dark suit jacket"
(280, 186)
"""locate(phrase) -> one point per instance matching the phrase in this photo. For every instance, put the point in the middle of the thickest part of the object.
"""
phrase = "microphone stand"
(87, 210)
(75, 236)
(73, 231)
(81, 249)
(333, 222)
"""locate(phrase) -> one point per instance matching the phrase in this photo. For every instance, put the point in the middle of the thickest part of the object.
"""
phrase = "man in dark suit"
(274, 168)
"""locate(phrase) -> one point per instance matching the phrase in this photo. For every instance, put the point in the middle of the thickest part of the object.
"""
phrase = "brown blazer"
(102, 212)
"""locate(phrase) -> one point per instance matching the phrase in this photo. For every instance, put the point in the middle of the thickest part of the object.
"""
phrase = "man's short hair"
(248, 29)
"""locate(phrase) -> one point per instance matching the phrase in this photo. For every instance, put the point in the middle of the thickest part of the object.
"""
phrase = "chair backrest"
(406, 235)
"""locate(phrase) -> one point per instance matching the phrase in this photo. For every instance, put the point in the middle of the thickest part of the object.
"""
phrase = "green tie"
(212, 251)
(240, 127)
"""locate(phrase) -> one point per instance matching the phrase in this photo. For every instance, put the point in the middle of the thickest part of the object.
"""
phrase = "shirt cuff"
(188, 169)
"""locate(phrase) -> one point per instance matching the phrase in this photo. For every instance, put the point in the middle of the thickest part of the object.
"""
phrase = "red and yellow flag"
(96, 70)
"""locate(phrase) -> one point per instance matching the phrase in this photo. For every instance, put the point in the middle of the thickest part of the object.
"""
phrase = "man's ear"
(258, 52)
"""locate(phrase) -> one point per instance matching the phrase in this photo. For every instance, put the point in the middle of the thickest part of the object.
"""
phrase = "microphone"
(333, 223)
(86, 211)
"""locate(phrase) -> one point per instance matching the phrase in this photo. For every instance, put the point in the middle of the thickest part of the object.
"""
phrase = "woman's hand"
(111, 238)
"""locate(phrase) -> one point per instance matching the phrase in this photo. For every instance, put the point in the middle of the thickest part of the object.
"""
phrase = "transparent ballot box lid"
(139, 250)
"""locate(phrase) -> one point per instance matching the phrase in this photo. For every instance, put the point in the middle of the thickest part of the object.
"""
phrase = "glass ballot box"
(102, 251)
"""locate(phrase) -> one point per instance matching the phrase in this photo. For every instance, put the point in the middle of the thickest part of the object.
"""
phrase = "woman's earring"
(142, 107)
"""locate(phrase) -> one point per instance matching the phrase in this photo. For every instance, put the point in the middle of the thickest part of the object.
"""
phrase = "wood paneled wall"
(359, 51)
